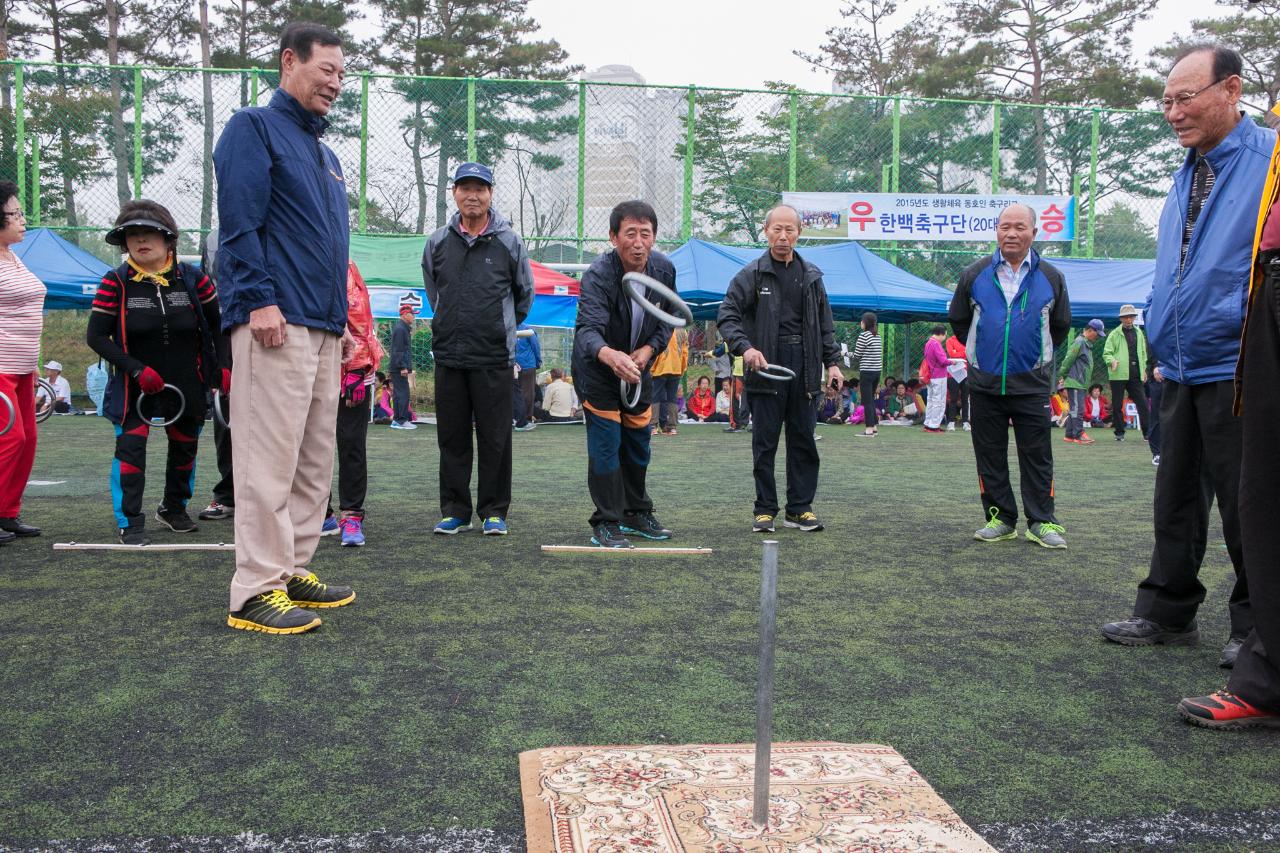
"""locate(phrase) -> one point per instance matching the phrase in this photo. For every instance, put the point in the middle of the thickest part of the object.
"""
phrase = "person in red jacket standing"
(958, 396)
(358, 377)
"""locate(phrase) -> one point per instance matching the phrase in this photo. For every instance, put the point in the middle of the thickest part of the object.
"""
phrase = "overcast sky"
(722, 43)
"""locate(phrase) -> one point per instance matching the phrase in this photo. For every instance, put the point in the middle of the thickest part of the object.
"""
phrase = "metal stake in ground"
(764, 685)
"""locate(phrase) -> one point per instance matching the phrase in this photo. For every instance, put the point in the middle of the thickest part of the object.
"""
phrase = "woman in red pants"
(21, 321)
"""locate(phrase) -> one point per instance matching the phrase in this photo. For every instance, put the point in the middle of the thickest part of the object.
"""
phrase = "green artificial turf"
(131, 710)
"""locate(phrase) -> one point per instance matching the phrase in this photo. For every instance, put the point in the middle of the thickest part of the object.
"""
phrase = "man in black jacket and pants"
(614, 342)
(776, 311)
(478, 278)
(401, 366)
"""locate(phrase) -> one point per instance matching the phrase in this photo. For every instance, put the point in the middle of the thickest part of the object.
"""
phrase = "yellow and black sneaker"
(307, 591)
(272, 613)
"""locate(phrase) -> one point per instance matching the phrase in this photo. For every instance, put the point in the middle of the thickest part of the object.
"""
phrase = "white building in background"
(633, 136)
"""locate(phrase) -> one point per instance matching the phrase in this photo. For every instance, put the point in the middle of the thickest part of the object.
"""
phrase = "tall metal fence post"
(897, 150)
(253, 86)
(364, 146)
(582, 164)
(1093, 177)
(35, 181)
(791, 158)
(995, 147)
(686, 221)
(471, 119)
(1075, 194)
(20, 131)
(137, 132)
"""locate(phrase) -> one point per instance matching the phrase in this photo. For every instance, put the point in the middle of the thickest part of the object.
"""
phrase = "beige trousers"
(284, 409)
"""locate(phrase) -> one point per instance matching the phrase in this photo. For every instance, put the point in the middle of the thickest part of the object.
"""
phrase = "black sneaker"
(216, 512)
(307, 591)
(762, 524)
(18, 528)
(176, 520)
(806, 521)
(6, 537)
(608, 534)
(1136, 631)
(272, 613)
(134, 536)
(644, 525)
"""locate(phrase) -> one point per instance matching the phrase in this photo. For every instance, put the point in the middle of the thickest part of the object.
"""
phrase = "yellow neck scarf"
(159, 278)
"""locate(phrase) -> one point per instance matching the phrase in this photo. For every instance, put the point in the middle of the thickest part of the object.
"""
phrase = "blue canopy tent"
(856, 279)
(392, 268)
(70, 273)
(1099, 287)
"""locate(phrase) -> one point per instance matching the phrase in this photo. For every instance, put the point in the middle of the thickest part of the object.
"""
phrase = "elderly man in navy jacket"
(1204, 256)
(282, 210)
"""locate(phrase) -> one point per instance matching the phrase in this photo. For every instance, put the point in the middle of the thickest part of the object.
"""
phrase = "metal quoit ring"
(13, 413)
(222, 420)
(182, 407)
(639, 282)
(626, 387)
(52, 395)
(776, 372)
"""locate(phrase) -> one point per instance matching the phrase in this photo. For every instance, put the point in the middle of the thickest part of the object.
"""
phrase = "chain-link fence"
(80, 139)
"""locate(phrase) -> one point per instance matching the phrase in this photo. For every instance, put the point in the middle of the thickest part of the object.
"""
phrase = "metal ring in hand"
(626, 389)
(776, 372)
(639, 282)
(221, 419)
(51, 395)
(157, 422)
(13, 413)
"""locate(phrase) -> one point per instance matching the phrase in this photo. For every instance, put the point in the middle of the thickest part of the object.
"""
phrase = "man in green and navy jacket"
(1012, 311)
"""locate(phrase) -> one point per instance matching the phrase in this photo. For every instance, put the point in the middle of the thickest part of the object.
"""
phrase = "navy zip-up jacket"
(282, 218)
(1010, 344)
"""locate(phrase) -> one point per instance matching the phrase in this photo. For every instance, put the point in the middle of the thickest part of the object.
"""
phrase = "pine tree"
(481, 39)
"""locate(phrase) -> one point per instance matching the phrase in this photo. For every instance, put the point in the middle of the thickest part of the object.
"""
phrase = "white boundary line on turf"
(596, 549)
(161, 546)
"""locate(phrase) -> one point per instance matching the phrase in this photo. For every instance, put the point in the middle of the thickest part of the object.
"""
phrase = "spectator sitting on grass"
(1095, 407)
(724, 403)
(560, 404)
(61, 401)
(833, 410)
(901, 408)
(382, 408)
(1059, 408)
(702, 402)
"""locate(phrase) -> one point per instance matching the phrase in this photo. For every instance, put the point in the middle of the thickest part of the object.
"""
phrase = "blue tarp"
(1099, 287)
(70, 273)
(856, 279)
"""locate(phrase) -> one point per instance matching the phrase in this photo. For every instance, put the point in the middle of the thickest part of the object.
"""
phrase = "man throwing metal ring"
(777, 317)
(613, 345)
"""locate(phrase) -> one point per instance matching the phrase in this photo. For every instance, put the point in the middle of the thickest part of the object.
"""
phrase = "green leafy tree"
(1120, 232)
(480, 39)
(1254, 30)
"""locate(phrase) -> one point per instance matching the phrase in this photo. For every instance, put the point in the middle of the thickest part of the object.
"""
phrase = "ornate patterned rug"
(824, 797)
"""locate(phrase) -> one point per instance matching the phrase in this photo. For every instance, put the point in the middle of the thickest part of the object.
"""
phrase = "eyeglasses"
(17, 212)
(1184, 98)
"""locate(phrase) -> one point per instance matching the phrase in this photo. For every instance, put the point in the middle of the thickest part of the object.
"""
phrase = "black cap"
(116, 235)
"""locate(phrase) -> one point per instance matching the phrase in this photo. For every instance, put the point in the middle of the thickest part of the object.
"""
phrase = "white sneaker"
(966, 427)
(951, 427)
